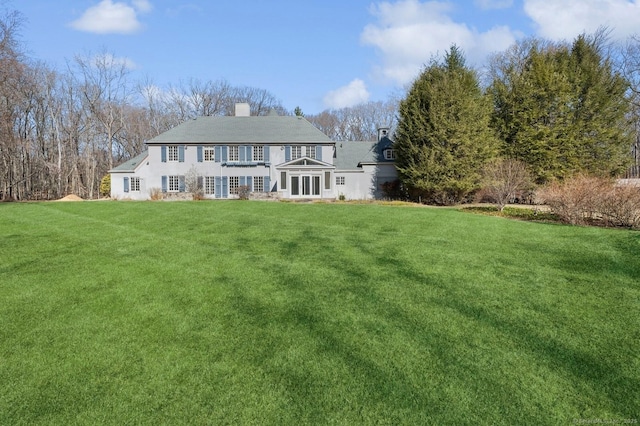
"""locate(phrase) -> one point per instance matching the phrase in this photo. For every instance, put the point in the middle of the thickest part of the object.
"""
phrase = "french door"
(305, 186)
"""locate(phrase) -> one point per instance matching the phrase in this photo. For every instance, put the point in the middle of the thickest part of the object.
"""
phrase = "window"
(283, 180)
(209, 154)
(258, 153)
(327, 180)
(209, 185)
(174, 183)
(311, 151)
(234, 183)
(389, 154)
(296, 152)
(234, 153)
(258, 184)
(135, 184)
(173, 153)
(339, 180)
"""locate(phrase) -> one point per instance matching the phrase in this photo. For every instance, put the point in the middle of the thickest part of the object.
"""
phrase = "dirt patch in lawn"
(71, 197)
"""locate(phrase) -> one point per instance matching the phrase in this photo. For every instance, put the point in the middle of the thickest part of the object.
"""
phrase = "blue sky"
(315, 54)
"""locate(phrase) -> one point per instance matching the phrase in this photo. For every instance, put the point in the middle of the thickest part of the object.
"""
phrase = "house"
(274, 156)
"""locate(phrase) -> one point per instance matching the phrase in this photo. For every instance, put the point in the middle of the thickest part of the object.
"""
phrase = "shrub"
(621, 206)
(504, 181)
(105, 186)
(194, 184)
(243, 192)
(586, 199)
(392, 190)
(575, 200)
(156, 194)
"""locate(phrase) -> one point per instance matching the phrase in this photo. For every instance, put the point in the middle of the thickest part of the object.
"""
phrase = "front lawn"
(280, 313)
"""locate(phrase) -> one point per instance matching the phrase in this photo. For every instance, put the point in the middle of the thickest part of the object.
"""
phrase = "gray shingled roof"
(349, 155)
(263, 129)
(130, 166)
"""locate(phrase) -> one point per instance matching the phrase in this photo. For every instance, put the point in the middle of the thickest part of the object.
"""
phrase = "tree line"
(558, 109)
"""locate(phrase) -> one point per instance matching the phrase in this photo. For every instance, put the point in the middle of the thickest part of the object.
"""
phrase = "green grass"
(279, 313)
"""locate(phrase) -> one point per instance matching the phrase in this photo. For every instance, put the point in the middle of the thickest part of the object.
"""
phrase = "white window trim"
(208, 153)
(311, 151)
(234, 153)
(258, 153)
(389, 154)
(209, 185)
(258, 184)
(172, 153)
(296, 152)
(173, 183)
(134, 184)
(234, 183)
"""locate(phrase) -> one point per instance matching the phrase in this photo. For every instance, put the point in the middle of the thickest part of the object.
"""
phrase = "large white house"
(280, 156)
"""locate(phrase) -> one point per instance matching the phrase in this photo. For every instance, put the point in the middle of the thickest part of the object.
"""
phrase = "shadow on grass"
(601, 375)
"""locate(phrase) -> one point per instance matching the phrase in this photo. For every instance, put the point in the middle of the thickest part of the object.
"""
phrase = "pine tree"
(561, 108)
(443, 137)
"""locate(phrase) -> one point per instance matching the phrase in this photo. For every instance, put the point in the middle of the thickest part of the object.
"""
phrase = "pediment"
(305, 162)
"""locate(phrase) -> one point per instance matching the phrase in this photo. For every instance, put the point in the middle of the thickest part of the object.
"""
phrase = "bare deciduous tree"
(506, 179)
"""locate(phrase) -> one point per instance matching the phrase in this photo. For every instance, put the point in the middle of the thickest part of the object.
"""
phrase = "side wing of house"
(130, 180)
(364, 169)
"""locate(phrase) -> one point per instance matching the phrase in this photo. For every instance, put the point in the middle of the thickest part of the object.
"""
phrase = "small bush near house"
(156, 194)
(392, 190)
(105, 186)
(243, 192)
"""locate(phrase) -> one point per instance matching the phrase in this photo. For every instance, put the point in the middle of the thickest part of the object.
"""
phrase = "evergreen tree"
(561, 108)
(443, 137)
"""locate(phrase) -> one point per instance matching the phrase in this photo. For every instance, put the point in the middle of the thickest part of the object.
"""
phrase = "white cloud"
(346, 96)
(143, 6)
(493, 4)
(564, 20)
(409, 33)
(112, 17)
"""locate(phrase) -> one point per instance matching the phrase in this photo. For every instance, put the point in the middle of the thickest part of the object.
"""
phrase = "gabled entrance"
(305, 178)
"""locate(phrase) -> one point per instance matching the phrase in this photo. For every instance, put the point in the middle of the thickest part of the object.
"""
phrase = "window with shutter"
(172, 153)
(258, 183)
(134, 184)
